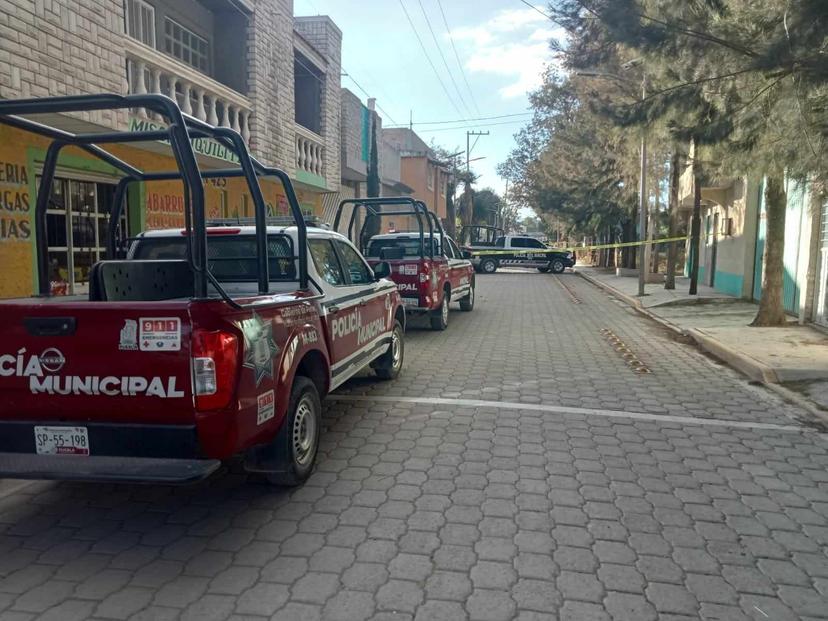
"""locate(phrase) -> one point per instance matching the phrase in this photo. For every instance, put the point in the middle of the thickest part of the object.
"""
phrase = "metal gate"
(821, 311)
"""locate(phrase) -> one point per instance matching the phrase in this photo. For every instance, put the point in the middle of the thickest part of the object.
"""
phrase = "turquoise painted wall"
(728, 283)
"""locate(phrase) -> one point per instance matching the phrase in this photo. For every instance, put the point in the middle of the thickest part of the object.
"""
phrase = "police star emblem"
(259, 347)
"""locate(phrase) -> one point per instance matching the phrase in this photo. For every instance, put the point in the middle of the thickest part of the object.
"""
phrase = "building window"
(140, 21)
(186, 46)
(77, 225)
(430, 177)
(307, 93)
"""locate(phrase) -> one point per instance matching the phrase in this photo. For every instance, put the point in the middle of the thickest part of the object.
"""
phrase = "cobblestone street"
(551, 455)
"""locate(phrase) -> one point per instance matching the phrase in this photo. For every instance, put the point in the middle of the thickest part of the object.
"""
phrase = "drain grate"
(628, 355)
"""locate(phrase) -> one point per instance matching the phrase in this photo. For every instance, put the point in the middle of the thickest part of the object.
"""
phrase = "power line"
(457, 57)
(479, 118)
(442, 56)
(447, 129)
(532, 6)
(368, 95)
(312, 74)
(428, 58)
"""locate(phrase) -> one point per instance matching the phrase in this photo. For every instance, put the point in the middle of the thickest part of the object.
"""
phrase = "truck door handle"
(333, 310)
(50, 326)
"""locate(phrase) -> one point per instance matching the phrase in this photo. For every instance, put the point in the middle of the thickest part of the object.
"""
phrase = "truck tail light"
(215, 362)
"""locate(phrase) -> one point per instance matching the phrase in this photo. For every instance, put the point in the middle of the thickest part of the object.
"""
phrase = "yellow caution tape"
(531, 251)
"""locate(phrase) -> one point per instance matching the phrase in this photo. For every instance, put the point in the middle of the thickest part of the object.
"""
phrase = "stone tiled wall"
(351, 131)
(270, 82)
(63, 47)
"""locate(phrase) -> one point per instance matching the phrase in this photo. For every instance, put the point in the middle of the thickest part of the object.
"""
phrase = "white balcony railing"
(150, 71)
(310, 151)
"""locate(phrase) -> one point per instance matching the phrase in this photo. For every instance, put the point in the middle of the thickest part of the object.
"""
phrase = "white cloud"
(512, 44)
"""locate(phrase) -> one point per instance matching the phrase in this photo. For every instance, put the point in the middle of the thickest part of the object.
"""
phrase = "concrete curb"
(748, 366)
(751, 367)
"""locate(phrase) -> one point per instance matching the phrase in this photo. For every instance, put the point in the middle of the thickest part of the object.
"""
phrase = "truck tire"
(389, 365)
(439, 316)
(297, 442)
(558, 266)
(467, 303)
(488, 266)
(544, 270)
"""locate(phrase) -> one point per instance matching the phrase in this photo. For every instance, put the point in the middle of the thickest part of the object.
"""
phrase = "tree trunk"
(672, 247)
(771, 307)
(628, 253)
(653, 228)
(451, 214)
(695, 226)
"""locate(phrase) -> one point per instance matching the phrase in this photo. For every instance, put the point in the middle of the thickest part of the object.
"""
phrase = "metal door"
(821, 314)
(713, 250)
(759, 256)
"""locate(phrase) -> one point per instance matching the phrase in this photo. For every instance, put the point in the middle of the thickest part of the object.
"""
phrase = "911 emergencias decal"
(266, 407)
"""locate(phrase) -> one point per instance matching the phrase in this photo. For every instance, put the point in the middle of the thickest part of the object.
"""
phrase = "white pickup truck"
(519, 251)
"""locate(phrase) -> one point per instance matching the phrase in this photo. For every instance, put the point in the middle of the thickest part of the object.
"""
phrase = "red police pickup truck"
(428, 267)
(199, 344)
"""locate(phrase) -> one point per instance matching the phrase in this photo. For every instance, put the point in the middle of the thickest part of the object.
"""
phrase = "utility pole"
(468, 149)
(643, 204)
(411, 120)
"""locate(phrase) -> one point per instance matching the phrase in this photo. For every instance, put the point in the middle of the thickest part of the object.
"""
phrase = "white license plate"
(411, 301)
(61, 440)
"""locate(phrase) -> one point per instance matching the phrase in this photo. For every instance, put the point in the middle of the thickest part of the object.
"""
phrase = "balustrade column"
(200, 112)
(245, 126)
(186, 104)
(140, 84)
(173, 90)
(212, 118)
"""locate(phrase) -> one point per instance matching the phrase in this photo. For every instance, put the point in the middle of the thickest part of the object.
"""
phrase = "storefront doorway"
(77, 220)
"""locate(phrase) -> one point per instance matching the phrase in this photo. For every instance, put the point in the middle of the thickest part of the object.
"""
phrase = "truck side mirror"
(466, 254)
(382, 270)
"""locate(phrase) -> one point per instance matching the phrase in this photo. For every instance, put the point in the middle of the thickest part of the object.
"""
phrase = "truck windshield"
(410, 246)
(231, 258)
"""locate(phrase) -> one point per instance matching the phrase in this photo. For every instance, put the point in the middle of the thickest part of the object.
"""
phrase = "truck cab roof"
(241, 229)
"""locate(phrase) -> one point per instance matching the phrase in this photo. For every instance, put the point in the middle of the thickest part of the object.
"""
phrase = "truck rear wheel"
(488, 266)
(389, 365)
(297, 442)
(467, 303)
(439, 316)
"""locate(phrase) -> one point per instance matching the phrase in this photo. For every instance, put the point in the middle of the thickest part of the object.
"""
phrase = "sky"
(502, 47)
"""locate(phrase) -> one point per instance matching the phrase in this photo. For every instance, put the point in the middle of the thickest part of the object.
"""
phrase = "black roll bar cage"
(467, 229)
(418, 210)
(180, 131)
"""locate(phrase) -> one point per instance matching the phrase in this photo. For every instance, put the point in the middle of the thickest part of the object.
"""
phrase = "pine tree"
(373, 223)
(745, 78)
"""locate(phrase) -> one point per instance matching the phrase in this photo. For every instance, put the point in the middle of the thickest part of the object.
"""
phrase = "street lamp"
(643, 203)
